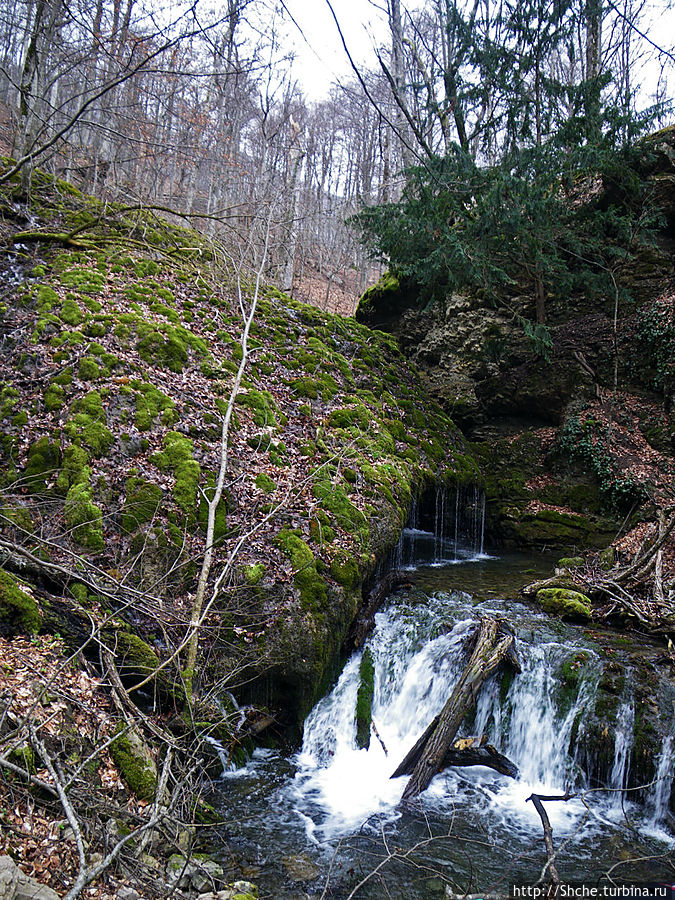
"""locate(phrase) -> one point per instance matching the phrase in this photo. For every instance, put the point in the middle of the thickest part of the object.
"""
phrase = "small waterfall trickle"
(623, 744)
(659, 798)
(439, 525)
(442, 529)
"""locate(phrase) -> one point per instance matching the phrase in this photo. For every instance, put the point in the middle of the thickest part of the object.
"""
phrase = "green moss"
(565, 603)
(88, 370)
(74, 469)
(18, 610)
(166, 345)
(9, 399)
(65, 379)
(254, 573)
(143, 499)
(135, 659)
(264, 483)
(320, 530)
(220, 527)
(150, 403)
(87, 425)
(24, 756)
(177, 456)
(81, 429)
(263, 407)
(345, 571)
(133, 763)
(312, 587)
(351, 416)
(364, 699)
(43, 461)
(54, 397)
(334, 498)
(79, 593)
(84, 280)
(84, 518)
(47, 298)
(71, 313)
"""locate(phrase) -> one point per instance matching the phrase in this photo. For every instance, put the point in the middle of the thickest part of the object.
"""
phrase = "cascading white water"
(659, 798)
(623, 744)
(414, 674)
(442, 544)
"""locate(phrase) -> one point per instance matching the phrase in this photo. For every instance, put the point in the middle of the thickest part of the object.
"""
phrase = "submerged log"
(494, 644)
(365, 620)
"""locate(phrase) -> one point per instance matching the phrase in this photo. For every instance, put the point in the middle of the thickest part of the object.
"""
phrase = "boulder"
(15, 885)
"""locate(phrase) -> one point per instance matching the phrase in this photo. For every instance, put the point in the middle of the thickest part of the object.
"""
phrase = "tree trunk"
(492, 646)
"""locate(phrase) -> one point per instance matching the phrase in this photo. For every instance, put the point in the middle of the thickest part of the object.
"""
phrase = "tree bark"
(365, 619)
(478, 755)
(492, 646)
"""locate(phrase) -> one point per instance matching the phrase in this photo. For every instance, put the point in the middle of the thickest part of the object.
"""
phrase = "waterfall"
(415, 670)
(528, 725)
(658, 801)
(623, 744)
(438, 535)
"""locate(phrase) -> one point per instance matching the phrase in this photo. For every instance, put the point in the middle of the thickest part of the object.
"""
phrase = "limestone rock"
(301, 868)
(195, 873)
(565, 603)
(128, 893)
(9, 875)
(15, 885)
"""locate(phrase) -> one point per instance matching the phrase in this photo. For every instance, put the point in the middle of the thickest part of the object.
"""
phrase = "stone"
(9, 875)
(301, 868)
(128, 893)
(565, 603)
(194, 873)
(15, 885)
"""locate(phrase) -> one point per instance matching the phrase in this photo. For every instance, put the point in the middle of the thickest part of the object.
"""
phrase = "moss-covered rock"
(264, 483)
(18, 610)
(143, 500)
(364, 699)
(311, 586)
(134, 762)
(43, 462)
(84, 518)
(75, 469)
(565, 603)
(254, 573)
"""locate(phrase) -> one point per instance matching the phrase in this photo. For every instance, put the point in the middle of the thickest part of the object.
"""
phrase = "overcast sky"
(320, 56)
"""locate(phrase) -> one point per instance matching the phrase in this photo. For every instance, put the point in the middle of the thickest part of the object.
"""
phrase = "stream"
(319, 823)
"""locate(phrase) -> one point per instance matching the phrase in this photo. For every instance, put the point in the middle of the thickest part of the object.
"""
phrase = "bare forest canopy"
(199, 110)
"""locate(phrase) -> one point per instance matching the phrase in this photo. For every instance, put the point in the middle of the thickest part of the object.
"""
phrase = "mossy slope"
(131, 340)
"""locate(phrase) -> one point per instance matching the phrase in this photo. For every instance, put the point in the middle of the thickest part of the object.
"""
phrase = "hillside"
(121, 338)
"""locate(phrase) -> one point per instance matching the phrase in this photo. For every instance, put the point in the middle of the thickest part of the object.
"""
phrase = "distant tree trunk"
(593, 15)
(31, 85)
(398, 77)
(296, 155)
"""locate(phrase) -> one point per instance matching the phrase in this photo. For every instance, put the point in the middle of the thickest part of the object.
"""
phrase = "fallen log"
(494, 644)
(472, 752)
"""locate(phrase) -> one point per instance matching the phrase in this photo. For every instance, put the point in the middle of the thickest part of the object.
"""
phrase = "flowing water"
(317, 824)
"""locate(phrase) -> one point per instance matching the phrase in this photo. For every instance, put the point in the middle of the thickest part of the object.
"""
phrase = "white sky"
(320, 56)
